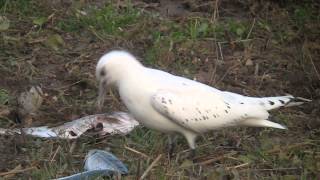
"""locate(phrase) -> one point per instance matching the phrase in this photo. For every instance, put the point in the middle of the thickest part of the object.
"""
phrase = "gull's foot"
(171, 150)
(187, 156)
(192, 154)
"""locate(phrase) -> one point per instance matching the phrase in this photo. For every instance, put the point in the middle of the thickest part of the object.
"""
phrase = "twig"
(216, 159)
(211, 160)
(188, 150)
(214, 72)
(238, 166)
(96, 34)
(150, 167)
(138, 170)
(261, 81)
(55, 153)
(216, 10)
(276, 169)
(51, 17)
(15, 171)
(64, 87)
(179, 176)
(256, 69)
(228, 42)
(314, 66)
(227, 72)
(73, 146)
(37, 40)
(220, 50)
(135, 151)
(254, 22)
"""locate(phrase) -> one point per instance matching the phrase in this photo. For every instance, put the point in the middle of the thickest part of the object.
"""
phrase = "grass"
(57, 47)
(109, 21)
(4, 97)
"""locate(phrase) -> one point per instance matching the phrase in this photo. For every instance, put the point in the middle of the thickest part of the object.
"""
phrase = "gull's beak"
(102, 93)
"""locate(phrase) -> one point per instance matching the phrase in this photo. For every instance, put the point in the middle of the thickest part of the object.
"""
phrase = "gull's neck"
(131, 74)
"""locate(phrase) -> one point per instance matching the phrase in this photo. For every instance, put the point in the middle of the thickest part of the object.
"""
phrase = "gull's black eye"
(102, 72)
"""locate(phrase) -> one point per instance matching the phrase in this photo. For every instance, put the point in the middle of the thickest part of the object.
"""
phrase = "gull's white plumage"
(174, 104)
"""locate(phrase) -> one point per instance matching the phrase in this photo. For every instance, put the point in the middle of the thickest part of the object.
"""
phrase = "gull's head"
(112, 68)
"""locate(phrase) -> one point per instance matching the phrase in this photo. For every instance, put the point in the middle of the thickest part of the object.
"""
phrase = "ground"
(256, 48)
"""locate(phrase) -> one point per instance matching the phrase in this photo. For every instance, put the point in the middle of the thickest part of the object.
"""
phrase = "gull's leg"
(171, 143)
(191, 138)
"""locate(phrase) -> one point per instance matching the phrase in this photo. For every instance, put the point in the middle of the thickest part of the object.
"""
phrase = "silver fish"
(114, 123)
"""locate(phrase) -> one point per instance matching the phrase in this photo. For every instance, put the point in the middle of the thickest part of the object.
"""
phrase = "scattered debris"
(99, 163)
(17, 169)
(249, 62)
(4, 111)
(29, 102)
(114, 123)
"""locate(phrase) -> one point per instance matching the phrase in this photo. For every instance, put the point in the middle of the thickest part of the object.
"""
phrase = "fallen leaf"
(55, 42)
(186, 164)
(4, 111)
(39, 21)
(29, 102)
(240, 31)
(249, 62)
(4, 23)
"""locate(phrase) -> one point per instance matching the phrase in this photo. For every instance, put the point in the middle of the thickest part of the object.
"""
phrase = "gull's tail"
(281, 101)
(262, 123)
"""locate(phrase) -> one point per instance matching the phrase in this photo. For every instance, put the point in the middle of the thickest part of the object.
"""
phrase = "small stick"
(150, 167)
(179, 176)
(55, 153)
(220, 50)
(227, 72)
(138, 170)
(313, 65)
(276, 169)
(254, 22)
(15, 171)
(135, 151)
(236, 41)
(238, 166)
(216, 159)
(211, 160)
(216, 11)
(256, 69)
(96, 34)
(73, 146)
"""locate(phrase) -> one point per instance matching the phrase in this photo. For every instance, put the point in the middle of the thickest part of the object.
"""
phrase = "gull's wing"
(199, 109)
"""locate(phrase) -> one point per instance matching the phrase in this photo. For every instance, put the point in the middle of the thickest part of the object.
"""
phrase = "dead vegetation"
(256, 48)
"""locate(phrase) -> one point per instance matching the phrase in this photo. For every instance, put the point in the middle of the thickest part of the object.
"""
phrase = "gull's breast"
(137, 100)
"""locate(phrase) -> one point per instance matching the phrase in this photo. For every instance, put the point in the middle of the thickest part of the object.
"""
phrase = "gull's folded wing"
(201, 110)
